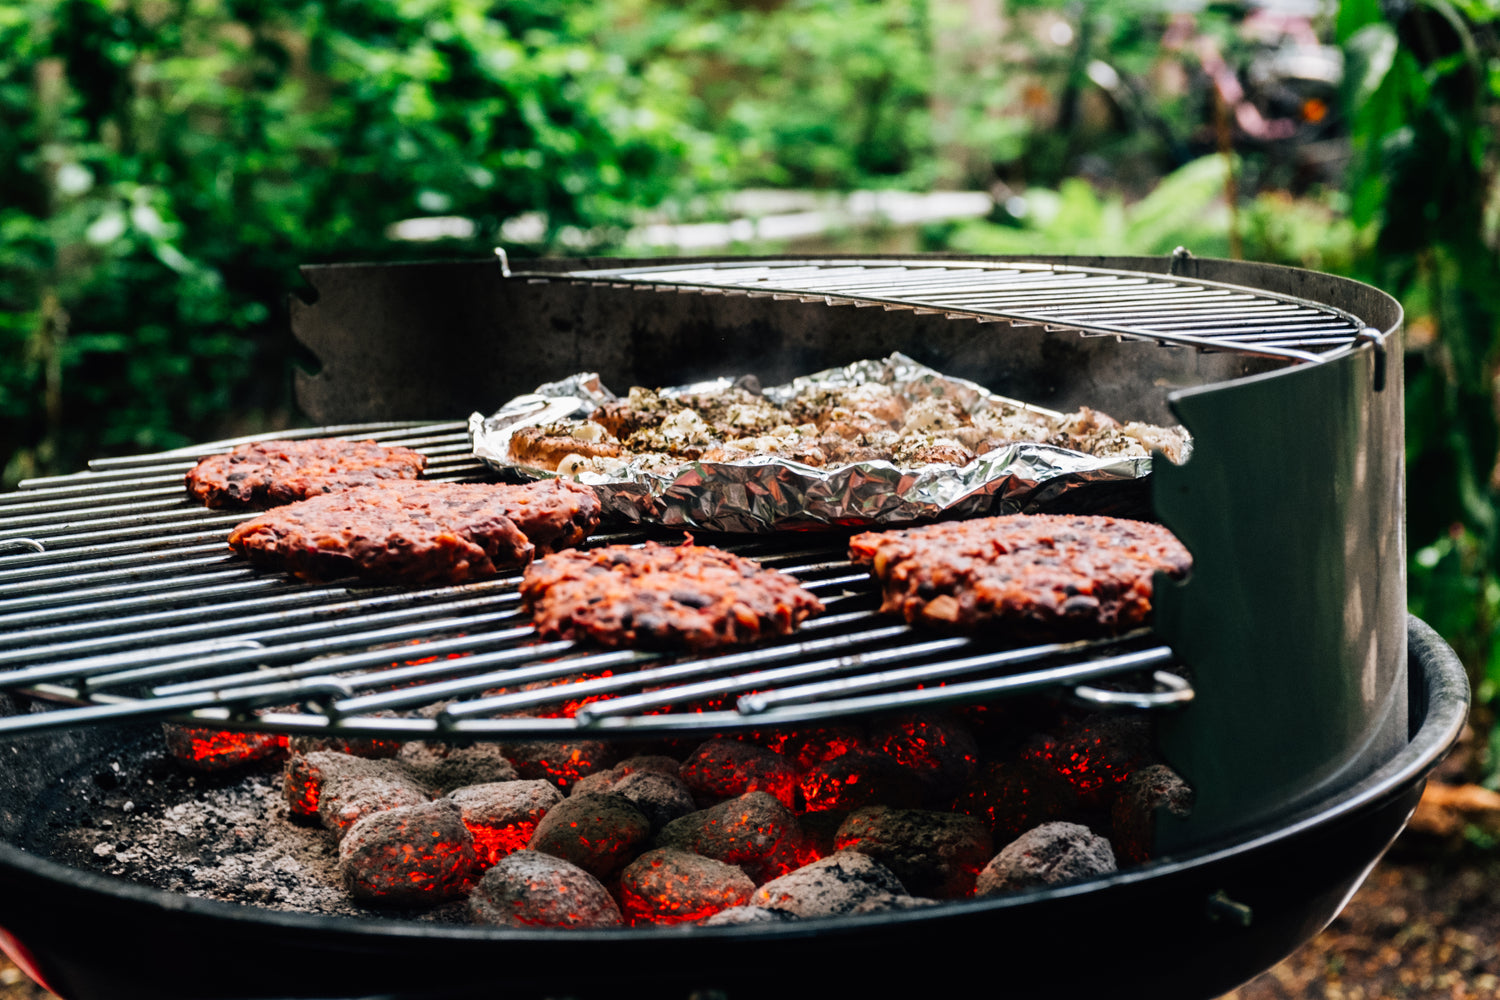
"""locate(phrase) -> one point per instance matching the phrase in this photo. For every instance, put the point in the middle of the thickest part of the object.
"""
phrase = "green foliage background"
(165, 166)
(1425, 100)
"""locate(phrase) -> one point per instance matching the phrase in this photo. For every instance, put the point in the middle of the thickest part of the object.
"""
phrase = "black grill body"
(1312, 730)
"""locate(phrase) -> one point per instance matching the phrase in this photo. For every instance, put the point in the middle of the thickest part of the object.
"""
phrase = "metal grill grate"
(120, 598)
(1166, 309)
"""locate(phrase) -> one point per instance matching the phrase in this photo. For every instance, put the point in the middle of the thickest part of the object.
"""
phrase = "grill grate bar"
(1288, 329)
(584, 663)
(169, 472)
(979, 284)
(657, 676)
(88, 527)
(53, 572)
(330, 699)
(322, 655)
(21, 583)
(81, 602)
(1063, 288)
(388, 432)
(90, 544)
(148, 631)
(286, 600)
(969, 692)
(920, 676)
(1237, 327)
(589, 714)
(127, 500)
(531, 674)
(98, 519)
(83, 537)
(1069, 675)
(172, 469)
(1186, 312)
(324, 648)
(1023, 293)
(84, 483)
(282, 600)
(1126, 292)
(314, 639)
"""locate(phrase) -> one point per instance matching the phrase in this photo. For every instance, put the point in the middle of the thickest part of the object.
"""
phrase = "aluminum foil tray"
(771, 493)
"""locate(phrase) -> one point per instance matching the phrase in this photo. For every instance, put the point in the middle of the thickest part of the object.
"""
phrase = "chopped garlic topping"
(573, 464)
(683, 424)
(933, 414)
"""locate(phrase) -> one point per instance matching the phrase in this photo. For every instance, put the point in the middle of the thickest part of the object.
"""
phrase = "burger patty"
(687, 596)
(1036, 575)
(270, 473)
(418, 531)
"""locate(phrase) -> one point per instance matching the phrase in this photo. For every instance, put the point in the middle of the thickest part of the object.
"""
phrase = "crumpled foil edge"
(769, 493)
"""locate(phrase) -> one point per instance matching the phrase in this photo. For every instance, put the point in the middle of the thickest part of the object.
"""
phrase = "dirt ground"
(1426, 923)
(1424, 926)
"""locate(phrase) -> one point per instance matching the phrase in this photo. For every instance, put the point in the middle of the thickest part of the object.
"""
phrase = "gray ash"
(140, 817)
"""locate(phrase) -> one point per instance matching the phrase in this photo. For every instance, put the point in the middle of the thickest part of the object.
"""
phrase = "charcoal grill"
(1278, 672)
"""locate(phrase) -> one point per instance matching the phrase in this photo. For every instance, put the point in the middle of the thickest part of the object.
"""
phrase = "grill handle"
(1172, 691)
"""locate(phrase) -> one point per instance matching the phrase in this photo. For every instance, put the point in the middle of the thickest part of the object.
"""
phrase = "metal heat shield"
(1293, 621)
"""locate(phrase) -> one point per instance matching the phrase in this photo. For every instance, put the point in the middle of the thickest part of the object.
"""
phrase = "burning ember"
(666, 886)
(219, 750)
(860, 778)
(531, 889)
(598, 832)
(936, 854)
(755, 832)
(502, 816)
(830, 820)
(723, 769)
(563, 764)
(408, 855)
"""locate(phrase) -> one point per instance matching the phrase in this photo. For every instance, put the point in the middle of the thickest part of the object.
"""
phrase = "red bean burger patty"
(419, 531)
(686, 596)
(271, 473)
(1033, 574)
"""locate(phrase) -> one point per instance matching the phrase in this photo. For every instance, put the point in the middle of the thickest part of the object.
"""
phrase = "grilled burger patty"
(685, 596)
(415, 531)
(270, 473)
(1034, 574)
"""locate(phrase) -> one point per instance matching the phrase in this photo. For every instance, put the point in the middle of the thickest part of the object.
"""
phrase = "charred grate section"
(120, 598)
(1166, 309)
